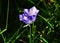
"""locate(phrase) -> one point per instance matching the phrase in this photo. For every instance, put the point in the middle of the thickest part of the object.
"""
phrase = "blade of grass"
(46, 6)
(3, 31)
(16, 33)
(31, 1)
(33, 32)
(44, 40)
(36, 37)
(46, 21)
(19, 35)
(40, 37)
(3, 37)
(49, 31)
(6, 19)
(7, 15)
(30, 39)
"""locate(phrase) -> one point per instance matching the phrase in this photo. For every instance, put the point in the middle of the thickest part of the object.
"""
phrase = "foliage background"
(46, 26)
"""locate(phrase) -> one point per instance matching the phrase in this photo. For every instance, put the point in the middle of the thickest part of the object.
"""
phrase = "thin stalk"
(3, 37)
(31, 38)
(33, 32)
(7, 15)
(3, 31)
(6, 23)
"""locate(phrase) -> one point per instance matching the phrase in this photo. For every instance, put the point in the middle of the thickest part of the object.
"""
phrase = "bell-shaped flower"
(29, 15)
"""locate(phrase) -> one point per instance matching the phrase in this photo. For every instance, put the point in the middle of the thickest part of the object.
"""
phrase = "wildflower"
(29, 15)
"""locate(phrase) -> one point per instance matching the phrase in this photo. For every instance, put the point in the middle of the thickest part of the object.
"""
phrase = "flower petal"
(20, 17)
(26, 11)
(33, 11)
(27, 21)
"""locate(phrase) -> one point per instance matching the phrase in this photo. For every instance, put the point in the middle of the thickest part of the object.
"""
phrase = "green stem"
(3, 37)
(33, 32)
(6, 23)
(3, 31)
(31, 38)
(30, 35)
(7, 15)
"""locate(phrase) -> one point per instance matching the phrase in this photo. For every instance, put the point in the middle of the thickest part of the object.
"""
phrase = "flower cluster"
(29, 15)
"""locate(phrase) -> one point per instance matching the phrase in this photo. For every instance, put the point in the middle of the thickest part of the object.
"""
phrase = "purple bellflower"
(29, 15)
